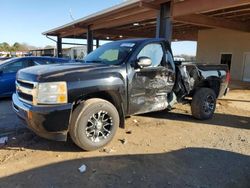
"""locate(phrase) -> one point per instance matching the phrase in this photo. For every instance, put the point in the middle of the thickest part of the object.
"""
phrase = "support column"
(59, 46)
(164, 27)
(97, 43)
(89, 40)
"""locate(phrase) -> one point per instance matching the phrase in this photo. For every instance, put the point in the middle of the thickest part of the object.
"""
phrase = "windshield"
(113, 53)
(7, 61)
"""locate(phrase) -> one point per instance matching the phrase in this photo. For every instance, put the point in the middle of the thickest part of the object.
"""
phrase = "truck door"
(151, 85)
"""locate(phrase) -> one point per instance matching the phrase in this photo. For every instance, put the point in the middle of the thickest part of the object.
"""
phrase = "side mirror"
(144, 62)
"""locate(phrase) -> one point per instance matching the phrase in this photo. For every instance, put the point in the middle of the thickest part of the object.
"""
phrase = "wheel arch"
(212, 83)
(111, 96)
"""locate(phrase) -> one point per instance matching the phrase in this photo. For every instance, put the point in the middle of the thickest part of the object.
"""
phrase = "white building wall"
(213, 42)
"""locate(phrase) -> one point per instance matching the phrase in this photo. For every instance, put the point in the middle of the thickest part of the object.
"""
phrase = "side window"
(40, 62)
(50, 61)
(16, 66)
(154, 52)
(59, 61)
(29, 63)
(45, 61)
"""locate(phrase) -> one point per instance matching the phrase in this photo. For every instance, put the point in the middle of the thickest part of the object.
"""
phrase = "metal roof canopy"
(137, 18)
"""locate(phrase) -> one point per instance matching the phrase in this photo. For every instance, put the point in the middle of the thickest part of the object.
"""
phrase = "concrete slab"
(9, 122)
(235, 84)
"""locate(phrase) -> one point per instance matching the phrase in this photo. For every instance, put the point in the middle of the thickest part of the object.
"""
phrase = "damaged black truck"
(90, 100)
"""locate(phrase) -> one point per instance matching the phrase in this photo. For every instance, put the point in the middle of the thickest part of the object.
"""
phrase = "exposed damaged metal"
(150, 90)
(187, 79)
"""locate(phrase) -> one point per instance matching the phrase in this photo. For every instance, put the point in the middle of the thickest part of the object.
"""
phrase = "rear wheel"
(94, 124)
(203, 103)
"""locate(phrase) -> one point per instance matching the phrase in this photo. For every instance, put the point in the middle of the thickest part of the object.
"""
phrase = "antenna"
(70, 14)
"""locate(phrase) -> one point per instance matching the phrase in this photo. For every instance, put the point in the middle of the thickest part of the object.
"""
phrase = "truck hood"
(45, 72)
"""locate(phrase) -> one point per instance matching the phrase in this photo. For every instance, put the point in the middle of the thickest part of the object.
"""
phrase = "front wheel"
(203, 104)
(94, 124)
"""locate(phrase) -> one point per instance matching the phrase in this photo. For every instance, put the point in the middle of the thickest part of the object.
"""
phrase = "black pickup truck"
(90, 100)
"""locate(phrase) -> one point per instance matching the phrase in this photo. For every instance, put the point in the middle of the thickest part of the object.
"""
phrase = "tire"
(94, 124)
(203, 104)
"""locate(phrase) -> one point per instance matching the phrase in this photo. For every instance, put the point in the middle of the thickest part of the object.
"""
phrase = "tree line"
(5, 47)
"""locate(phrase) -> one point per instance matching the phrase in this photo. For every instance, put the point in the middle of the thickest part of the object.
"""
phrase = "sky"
(25, 20)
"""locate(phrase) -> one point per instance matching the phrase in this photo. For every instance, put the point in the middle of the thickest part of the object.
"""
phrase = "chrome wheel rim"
(209, 104)
(99, 126)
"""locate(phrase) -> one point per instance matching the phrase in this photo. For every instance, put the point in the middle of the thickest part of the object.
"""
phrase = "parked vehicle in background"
(9, 68)
(91, 100)
(4, 58)
(177, 58)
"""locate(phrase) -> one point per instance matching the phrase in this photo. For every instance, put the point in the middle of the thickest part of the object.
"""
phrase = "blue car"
(9, 68)
(4, 58)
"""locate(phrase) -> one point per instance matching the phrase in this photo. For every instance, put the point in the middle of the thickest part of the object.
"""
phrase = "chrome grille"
(26, 91)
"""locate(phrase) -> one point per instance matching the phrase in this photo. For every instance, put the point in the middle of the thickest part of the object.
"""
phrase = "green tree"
(5, 47)
(16, 47)
(49, 46)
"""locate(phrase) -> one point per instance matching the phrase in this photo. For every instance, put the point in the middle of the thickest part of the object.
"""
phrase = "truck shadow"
(190, 167)
(29, 140)
(226, 120)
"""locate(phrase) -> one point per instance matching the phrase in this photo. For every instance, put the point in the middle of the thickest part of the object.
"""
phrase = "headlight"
(52, 93)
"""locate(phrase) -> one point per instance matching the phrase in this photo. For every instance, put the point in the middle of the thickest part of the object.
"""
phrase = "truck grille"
(26, 91)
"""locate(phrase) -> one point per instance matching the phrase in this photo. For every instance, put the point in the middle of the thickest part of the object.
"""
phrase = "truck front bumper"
(47, 121)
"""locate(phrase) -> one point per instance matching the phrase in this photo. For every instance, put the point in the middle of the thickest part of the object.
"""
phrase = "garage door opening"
(226, 59)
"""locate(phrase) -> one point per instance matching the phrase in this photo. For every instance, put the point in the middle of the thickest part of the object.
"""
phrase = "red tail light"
(228, 76)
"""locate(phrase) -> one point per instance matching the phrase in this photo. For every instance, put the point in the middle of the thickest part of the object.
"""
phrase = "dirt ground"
(161, 149)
